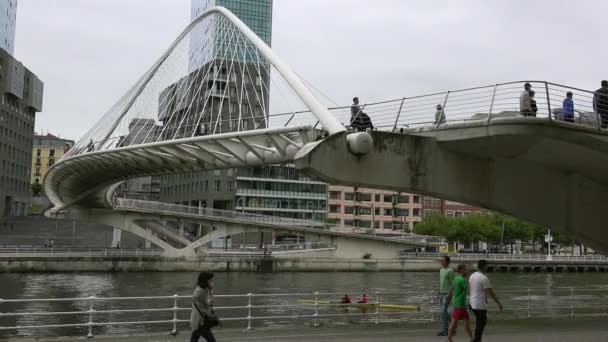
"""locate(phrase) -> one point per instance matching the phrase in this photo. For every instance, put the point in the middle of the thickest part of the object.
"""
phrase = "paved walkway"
(556, 330)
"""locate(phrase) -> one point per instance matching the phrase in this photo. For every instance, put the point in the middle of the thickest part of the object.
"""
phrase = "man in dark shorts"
(458, 293)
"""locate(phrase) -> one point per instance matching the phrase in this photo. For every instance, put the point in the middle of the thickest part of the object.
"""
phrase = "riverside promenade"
(555, 330)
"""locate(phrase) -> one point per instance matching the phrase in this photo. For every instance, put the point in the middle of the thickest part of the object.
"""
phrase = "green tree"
(36, 189)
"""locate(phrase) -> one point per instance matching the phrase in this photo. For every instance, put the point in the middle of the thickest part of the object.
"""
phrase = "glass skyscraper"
(8, 16)
(256, 14)
(271, 190)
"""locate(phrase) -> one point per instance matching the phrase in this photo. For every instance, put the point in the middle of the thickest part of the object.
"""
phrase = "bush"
(36, 189)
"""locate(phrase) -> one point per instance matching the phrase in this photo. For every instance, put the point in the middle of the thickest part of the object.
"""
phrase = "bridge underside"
(148, 226)
(544, 172)
(66, 186)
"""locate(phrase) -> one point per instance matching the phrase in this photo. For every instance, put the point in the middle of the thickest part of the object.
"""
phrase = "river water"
(394, 287)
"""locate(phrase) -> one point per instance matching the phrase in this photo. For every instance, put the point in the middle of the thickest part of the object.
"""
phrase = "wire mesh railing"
(169, 313)
(480, 105)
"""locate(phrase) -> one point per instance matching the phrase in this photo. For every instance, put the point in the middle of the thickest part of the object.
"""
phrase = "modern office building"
(47, 150)
(271, 190)
(387, 212)
(21, 97)
(256, 14)
(8, 16)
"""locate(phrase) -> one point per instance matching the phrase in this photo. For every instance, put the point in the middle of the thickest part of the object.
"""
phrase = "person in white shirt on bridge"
(479, 290)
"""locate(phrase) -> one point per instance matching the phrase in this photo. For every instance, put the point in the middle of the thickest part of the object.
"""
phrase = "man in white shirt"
(479, 290)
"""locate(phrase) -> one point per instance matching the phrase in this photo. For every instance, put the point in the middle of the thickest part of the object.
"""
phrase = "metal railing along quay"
(510, 257)
(10, 252)
(168, 313)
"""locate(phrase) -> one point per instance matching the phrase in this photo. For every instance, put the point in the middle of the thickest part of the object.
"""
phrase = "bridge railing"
(478, 104)
(16, 251)
(509, 257)
(170, 208)
(138, 314)
(245, 217)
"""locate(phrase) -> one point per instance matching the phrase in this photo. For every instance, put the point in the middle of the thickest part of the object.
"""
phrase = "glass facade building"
(8, 14)
(277, 190)
(256, 14)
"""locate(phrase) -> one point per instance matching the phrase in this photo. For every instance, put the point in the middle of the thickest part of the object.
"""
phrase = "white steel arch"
(329, 122)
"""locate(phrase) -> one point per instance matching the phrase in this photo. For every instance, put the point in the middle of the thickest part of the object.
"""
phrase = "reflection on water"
(63, 285)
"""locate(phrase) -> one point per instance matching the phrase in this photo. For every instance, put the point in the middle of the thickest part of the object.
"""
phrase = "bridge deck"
(556, 330)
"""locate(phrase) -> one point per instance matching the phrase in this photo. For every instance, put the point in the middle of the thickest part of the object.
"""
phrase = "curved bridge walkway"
(205, 111)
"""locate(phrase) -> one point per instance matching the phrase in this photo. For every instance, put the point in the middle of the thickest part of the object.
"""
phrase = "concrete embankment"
(148, 264)
(158, 264)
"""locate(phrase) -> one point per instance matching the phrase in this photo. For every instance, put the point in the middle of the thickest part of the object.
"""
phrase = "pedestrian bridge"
(211, 111)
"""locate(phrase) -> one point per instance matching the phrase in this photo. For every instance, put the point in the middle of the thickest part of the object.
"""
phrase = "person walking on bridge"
(446, 277)
(202, 315)
(600, 103)
(480, 289)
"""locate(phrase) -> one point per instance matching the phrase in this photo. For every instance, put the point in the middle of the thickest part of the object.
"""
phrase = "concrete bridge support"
(511, 168)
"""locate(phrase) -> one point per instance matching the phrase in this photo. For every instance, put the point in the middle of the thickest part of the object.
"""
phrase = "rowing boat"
(364, 305)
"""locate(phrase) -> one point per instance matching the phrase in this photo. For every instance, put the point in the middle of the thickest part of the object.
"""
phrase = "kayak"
(367, 305)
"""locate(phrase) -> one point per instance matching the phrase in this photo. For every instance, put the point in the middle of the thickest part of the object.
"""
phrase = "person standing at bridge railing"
(446, 277)
(568, 108)
(525, 101)
(533, 105)
(439, 115)
(600, 103)
(359, 120)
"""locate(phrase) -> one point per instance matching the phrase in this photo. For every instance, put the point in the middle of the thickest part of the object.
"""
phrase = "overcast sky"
(88, 52)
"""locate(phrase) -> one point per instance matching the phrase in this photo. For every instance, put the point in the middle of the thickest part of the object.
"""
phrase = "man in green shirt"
(459, 302)
(446, 276)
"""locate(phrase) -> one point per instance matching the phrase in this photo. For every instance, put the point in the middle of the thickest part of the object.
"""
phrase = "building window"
(336, 195)
(230, 185)
(416, 212)
(217, 185)
(449, 213)
(430, 212)
(364, 211)
(349, 210)
(37, 172)
(416, 199)
(363, 197)
(377, 211)
(51, 162)
(402, 212)
(38, 153)
(388, 212)
(349, 196)
(378, 198)
(388, 199)
(403, 199)
(334, 209)
(38, 163)
(51, 153)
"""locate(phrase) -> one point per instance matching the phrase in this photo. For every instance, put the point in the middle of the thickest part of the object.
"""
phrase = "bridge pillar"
(116, 237)
(148, 244)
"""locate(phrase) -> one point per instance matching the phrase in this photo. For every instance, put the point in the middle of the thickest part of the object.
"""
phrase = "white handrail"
(567, 301)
